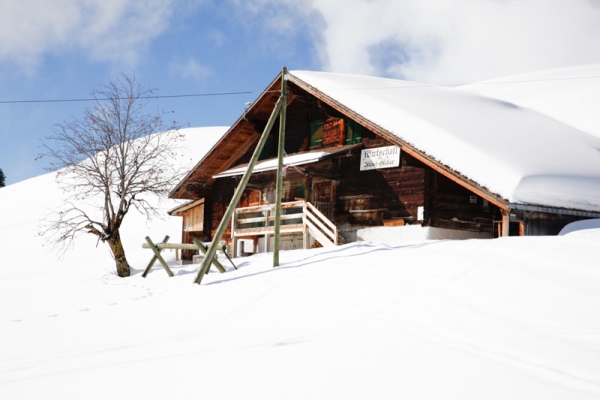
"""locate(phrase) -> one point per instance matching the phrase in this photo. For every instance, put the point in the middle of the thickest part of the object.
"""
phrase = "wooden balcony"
(296, 217)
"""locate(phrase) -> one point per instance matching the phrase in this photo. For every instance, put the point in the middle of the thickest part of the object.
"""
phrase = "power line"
(124, 98)
(525, 81)
(416, 85)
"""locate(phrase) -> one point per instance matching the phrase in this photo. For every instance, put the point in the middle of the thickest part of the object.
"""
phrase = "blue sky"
(63, 50)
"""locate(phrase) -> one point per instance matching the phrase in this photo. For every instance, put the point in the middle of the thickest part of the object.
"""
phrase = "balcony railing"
(296, 217)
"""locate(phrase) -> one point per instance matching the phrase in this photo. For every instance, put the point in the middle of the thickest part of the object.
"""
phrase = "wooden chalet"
(345, 171)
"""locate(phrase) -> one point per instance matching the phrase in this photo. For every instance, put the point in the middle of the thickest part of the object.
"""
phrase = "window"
(316, 133)
(266, 151)
(301, 191)
(353, 132)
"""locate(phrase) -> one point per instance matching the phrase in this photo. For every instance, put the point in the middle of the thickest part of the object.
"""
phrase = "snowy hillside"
(511, 318)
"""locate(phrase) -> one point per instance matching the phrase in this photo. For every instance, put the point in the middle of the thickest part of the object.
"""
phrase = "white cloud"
(448, 41)
(191, 69)
(105, 30)
(217, 38)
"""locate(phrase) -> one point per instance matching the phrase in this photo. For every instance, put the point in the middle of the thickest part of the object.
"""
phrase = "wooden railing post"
(305, 233)
(267, 216)
(234, 240)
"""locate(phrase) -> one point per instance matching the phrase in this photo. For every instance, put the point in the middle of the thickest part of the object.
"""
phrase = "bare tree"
(113, 158)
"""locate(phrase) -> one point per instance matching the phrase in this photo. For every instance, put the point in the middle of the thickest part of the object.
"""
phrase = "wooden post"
(267, 216)
(197, 245)
(305, 234)
(212, 250)
(157, 256)
(215, 262)
(279, 190)
(521, 228)
(234, 239)
(505, 222)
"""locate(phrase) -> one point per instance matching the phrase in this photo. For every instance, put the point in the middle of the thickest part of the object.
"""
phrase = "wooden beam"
(521, 228)
(279, 181)
(179, 246)
(215, 262)
(157, 256)
(505, 222)
(290, 97)
(237, 195)
(157, 248)
(261, 103)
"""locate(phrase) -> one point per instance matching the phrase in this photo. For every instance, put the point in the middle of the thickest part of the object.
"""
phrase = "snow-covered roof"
(570, 95)
(515, 152)
(272, 164)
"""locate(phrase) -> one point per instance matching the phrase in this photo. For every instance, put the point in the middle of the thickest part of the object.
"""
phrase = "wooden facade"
(418, 191)
(192, 214)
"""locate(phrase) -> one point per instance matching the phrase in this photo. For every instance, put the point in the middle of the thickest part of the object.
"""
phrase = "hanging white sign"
(380, 157)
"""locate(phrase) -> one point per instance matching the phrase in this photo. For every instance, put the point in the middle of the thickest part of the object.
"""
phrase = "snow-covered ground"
(510, 318)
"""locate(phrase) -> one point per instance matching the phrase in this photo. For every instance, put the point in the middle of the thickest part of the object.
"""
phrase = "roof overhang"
(303, 158)
(553, 210)
(184, 207)
(243, 134)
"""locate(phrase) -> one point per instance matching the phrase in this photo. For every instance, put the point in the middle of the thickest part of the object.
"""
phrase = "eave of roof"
(202, 174)
(296, 159)
(185, 206)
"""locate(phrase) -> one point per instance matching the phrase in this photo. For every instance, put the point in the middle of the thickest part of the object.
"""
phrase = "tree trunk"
(116, 246)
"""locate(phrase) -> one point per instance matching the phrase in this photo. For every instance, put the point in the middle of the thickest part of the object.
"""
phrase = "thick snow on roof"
(517, 153)
(570, 95)
(272, 164)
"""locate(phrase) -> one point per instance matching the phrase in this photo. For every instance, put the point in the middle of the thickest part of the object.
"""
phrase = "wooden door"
(323, 197)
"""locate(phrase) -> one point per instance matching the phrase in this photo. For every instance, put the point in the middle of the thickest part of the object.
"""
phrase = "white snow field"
(509, 318)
